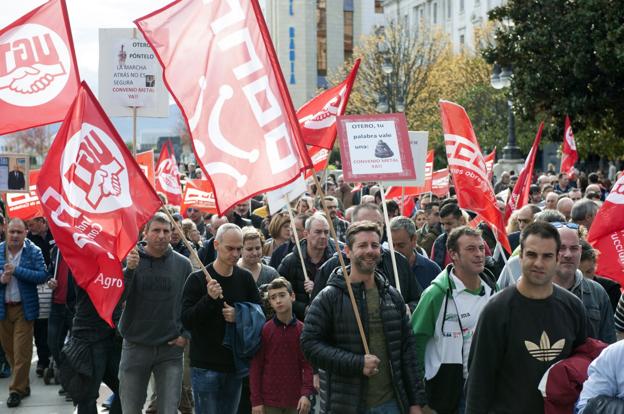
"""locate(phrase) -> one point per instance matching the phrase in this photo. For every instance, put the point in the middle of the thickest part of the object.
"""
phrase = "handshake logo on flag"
(33, 62)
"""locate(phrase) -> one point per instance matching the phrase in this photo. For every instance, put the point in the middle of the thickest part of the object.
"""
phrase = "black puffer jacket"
(410, 288)
(331, 342)
(291, 269)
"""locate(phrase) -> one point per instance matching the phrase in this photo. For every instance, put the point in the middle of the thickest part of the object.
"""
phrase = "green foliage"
(567, 58)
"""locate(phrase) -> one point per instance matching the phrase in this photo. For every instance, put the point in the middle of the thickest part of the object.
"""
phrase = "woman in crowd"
(251, 258)
(279, 230)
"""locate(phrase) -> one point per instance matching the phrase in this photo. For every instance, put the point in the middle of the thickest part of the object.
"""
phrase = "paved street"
(44, 399)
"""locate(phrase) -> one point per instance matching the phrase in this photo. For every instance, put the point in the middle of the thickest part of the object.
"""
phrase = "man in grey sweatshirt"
(151, 324)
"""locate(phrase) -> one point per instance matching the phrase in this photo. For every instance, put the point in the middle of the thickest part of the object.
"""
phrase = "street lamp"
(501, 78)
(392, 99)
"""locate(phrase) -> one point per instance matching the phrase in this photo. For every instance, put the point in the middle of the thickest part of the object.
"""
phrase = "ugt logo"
(34, 65)
(94, 173)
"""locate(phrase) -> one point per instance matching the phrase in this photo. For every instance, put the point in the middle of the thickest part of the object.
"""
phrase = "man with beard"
(386, 380)
(427, 234)
(594, 297)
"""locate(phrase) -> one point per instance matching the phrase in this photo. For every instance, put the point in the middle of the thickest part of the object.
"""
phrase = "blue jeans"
(389, 407)
(215, 392)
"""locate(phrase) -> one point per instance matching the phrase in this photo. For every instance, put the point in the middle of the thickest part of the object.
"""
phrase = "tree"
(568, 59)
(435, 73)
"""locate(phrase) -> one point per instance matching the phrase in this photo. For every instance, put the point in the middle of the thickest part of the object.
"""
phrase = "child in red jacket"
(280, 378)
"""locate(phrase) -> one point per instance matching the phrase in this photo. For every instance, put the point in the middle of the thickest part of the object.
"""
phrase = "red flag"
(607, 234)
(396, 191)
(569, 155)
(95, 199)
(474, 190)
(25, 205)
(198, 194)
(519, 197)
(319, 157)
(146, 163)
(440, 184)
(167, 175)
(317, 117)
(38, 72)
(489, 163)
(220, 66)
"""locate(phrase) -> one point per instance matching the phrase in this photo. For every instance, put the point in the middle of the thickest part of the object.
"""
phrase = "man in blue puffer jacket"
(23, 268)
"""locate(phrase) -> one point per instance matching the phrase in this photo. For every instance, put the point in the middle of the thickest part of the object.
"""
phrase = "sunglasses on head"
(559, 224)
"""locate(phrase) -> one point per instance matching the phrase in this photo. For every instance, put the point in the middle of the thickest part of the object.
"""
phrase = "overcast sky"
(86, 17)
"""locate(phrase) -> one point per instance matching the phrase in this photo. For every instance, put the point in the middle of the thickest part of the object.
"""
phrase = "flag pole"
(294, 229)
(358, 320)
(402, 199)
(389, 234)
(188, 245)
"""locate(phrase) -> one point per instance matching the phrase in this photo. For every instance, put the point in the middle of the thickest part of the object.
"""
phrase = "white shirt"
(12, 293)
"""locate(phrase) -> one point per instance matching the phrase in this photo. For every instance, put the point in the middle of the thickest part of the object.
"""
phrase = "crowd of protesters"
(242, 319)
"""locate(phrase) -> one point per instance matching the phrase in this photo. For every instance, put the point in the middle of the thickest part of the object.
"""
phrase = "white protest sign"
(419, 141)
(130, 76)
(278, 199)
(375, 148)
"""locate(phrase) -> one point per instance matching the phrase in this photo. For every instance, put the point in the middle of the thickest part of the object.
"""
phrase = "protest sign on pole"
(25, 205)
(376, 148)
(198, 194)
(146, 162)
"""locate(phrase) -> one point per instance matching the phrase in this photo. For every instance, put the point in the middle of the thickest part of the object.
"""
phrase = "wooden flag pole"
(389, 234)
(294, 229)
(358, 320)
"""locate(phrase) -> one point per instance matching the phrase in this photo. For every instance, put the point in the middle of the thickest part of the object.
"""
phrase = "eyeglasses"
(559, 224)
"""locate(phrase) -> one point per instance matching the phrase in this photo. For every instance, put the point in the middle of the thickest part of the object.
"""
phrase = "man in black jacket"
(316, 251)
(410, 288)
(387, 379)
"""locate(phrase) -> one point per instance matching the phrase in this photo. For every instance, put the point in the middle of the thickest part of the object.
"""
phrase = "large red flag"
(569, 155)
(146, 163)
(489, 163)
(440, 183)
(317, 117)
(220, 66)
(607, 234)
(198, 194)
(167, 175)
(25, 205)
(95, 199)
(519, 197)
(38, 72)
(397, 191)
(474, 190)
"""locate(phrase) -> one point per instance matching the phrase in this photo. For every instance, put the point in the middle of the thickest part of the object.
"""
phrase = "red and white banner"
(38, 72)
(221, 68)
(473, 188)
(95, 199)
(168, 176)
(319, 157)
(440, 183)
(489, 163)
(519, 197)
(569, 155)
(198, 194)
(607, 234)
(397, 191)
(146, 163)
(25, 205)
(317, 117)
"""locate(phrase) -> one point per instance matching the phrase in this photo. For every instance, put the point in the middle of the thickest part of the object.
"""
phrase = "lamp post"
(501, 78)
(392, 99)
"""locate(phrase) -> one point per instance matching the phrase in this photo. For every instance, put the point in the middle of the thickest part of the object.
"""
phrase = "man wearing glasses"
(599, 312)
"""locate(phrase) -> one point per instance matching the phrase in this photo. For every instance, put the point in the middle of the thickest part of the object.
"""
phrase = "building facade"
(457, 18)
(314, 37)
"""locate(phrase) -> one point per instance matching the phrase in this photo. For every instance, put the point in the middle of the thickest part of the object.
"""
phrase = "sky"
(86, 17)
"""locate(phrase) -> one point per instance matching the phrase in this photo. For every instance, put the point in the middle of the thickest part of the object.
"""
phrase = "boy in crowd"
(280, 378)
